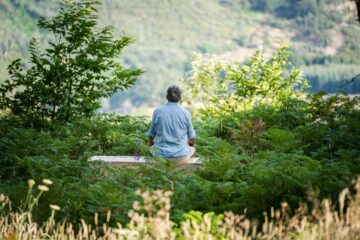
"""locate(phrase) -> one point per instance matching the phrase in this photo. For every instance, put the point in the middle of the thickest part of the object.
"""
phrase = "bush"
(231, 86)
(81, 187)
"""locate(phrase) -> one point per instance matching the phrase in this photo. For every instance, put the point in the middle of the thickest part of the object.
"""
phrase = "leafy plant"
(281, 140)
(272, 80)
(236, 86)
(78, 68)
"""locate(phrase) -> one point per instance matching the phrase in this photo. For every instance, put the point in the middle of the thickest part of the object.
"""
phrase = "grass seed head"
(47, 181)
(55, 207)
(2, 198)
(43, 188)
(31, 183)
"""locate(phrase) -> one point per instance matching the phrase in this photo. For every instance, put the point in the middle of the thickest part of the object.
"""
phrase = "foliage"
(234, 86)
(286, 9)
(62, 155)
(350, 53)
(332, 119)
(277, 149)
(69, 78)
(262, 140)
(178, 28)
(150, 219)
(332, 80)
(206, 80)
(292, 173)
(266, 80)
(253, 159)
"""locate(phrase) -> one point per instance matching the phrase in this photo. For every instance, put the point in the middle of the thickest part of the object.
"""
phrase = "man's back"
(172, 127)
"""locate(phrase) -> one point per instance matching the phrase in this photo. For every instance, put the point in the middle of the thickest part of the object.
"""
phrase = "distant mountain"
(323, 33)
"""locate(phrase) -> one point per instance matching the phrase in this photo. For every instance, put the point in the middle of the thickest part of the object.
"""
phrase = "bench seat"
(125, 160)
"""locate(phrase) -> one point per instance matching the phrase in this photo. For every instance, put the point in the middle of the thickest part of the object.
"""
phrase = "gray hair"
(173, 94)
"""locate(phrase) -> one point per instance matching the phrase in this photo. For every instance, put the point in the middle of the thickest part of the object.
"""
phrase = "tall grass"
(150, 219)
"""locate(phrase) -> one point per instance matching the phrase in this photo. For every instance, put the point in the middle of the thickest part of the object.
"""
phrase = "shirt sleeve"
(152, 130)
(190, 131)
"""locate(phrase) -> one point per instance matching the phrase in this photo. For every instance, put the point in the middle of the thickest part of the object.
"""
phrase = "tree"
(235, 86)
(79, 67)
(357, 2)
(272, 80)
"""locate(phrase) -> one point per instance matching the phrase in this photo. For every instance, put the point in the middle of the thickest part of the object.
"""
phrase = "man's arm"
(152, 131)
(151, 141)
(192, 142)
(191, 132)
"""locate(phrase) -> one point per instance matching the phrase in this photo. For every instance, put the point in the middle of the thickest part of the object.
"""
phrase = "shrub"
(231, 86)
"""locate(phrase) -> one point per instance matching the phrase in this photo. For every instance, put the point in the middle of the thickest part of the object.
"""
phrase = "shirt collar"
(171, 103)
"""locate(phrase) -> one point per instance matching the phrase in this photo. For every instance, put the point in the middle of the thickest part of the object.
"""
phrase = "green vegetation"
(255, 156)
(321, 33)
(232, 86)
(77, 69)
(254, 159)
(323, 77)
(263, 139)
(150, 219)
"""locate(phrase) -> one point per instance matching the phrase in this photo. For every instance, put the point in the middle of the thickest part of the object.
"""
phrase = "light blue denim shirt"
(172, 128)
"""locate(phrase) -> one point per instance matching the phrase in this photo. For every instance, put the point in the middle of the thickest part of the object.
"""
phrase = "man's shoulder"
(165, 108)
(186, 111)
(159, 109)
(183, 109)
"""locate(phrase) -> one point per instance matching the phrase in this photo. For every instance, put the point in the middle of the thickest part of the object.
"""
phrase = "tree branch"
(351, 80)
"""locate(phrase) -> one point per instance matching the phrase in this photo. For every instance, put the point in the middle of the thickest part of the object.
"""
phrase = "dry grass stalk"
(151, 220)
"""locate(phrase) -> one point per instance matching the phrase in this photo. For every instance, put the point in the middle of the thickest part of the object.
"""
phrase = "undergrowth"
(149, 218)
(253, 160)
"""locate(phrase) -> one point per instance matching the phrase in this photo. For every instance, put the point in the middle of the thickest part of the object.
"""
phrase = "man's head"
(173, 94)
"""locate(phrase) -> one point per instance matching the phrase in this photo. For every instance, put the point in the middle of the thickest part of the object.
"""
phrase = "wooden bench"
(130, 160)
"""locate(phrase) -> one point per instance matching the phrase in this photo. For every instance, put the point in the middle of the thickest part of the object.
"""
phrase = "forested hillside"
(323, 34)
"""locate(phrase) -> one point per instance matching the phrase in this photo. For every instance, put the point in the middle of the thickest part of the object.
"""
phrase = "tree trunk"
(358, 9)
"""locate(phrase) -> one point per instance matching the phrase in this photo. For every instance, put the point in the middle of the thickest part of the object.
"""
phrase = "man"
(171, 133)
